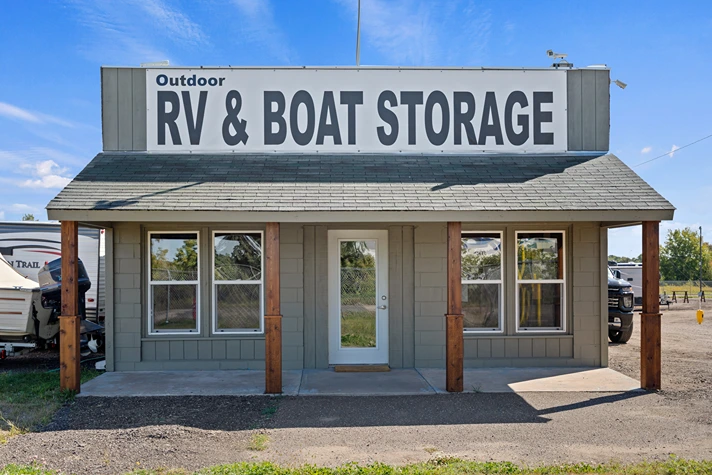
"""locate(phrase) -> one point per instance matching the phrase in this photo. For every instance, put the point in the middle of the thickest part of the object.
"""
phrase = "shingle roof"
(165, 182)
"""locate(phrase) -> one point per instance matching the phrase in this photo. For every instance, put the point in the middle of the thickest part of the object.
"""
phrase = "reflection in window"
(481, 255)
(540, 280)
(237, 282)
(173, 282)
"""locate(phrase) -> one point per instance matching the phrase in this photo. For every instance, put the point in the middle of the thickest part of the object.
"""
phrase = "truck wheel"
(620, 336)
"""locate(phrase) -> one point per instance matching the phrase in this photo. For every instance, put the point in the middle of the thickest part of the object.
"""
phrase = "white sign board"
(356, 110)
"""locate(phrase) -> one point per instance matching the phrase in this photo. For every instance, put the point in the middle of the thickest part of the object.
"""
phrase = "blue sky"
(50, 54)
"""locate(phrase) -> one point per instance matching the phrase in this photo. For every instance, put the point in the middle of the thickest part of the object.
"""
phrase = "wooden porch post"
(273, 316)
(650, 318)
(453, 319)
(69, 357)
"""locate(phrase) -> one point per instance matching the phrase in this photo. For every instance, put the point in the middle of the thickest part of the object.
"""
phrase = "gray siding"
(588, 106)
(135, 350)
(417, 281)
(579, 346)
(124, 109)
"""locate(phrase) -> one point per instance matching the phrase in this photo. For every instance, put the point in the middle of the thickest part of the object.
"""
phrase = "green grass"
(258, 442)
(29, 400)
(442, 466)
(358, 330)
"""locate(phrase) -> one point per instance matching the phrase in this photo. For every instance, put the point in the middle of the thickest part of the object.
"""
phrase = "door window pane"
(358, 293)
(540, 305)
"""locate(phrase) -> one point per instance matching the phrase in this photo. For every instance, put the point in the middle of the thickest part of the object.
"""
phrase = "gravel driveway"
(106, 436)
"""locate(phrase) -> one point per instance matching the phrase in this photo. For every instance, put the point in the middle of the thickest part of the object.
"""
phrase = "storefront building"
(294, 218)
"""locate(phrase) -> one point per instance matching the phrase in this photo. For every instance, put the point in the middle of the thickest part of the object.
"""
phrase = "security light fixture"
(561, 57)
(620, 84)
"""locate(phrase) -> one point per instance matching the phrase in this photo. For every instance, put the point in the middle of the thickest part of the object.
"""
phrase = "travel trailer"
(29, 245)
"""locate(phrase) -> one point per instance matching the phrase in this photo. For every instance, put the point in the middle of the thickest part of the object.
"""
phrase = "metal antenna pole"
(700, 296)
(358, 36)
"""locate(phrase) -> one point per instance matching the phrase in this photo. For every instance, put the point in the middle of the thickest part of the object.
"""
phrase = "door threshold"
(361, 368)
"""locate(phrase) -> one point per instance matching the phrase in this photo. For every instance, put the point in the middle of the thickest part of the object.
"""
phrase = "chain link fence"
(692, 287)
(358, 286)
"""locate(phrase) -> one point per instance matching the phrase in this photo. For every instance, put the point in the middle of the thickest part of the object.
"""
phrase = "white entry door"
(358, 297)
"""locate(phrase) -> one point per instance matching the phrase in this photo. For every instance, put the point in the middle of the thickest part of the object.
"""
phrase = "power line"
(672, 151)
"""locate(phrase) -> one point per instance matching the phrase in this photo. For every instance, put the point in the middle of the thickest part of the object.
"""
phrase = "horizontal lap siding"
(134, 351)
(579, 347)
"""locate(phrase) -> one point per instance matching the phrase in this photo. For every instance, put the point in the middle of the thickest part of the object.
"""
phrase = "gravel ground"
(107, 436)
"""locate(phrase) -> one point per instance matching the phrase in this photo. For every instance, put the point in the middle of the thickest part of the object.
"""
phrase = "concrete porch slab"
(186, 383)
(393, 383)
(519, 380)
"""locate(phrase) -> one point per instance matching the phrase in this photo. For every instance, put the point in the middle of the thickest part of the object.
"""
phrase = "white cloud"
(420, 32)
(14, 112)
(257, 25)
(131, 32)
(48, 175)
(647, 149)
(22, 208)
(673, 150)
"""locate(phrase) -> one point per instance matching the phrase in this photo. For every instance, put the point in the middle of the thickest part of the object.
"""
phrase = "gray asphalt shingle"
(164, 182)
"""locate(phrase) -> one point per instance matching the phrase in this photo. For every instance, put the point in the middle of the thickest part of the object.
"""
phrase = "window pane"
(481, 256)
(539, 256)
(238, 306)
(174, 307)
(238, 256)
(540, 305)
(480, 305)
(358, 294)
(174, 256)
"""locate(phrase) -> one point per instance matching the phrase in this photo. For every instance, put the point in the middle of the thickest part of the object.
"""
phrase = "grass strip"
(442, 466)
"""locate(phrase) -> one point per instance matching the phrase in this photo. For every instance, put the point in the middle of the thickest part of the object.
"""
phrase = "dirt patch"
(686, 353)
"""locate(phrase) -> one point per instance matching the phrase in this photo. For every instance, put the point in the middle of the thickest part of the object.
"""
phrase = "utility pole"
(358, 36)
(700, 295)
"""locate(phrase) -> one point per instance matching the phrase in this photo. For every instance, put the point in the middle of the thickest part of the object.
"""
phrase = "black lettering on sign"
(542, 138)
(274, 117)
(168, 118)
(411, 99)
(516, 97)
(301, 97)
(328, 113)
(231, 119)
(387, 116)
(464, 118)
(195, 126)
(437, 138)
(489, 111)
(351, 99)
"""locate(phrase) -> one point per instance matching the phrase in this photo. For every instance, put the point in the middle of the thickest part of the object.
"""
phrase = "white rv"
(29, 245)
(632, 272)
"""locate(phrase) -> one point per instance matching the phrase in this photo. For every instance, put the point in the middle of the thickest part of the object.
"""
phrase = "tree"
(28, 217)
(680, 256)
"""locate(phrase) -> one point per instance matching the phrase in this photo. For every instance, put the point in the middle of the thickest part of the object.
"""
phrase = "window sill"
(231, 336)
(518, 336)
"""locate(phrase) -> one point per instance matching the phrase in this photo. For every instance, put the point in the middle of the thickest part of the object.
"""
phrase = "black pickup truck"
(620, 308)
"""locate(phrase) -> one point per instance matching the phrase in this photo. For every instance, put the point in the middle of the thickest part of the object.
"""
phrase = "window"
(540, 281)
(482, 281)
(173, 282)
(237, 282)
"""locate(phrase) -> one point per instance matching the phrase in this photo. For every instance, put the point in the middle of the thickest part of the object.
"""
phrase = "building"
(275, 218)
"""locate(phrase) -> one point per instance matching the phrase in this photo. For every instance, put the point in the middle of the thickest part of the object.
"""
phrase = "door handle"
(382, 307)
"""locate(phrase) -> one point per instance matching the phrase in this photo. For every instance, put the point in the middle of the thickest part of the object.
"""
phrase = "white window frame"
(562, 282)
(215, 283)
(151, 284)
(500, 323)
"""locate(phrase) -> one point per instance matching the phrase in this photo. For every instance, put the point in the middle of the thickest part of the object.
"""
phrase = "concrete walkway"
(328, 383)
